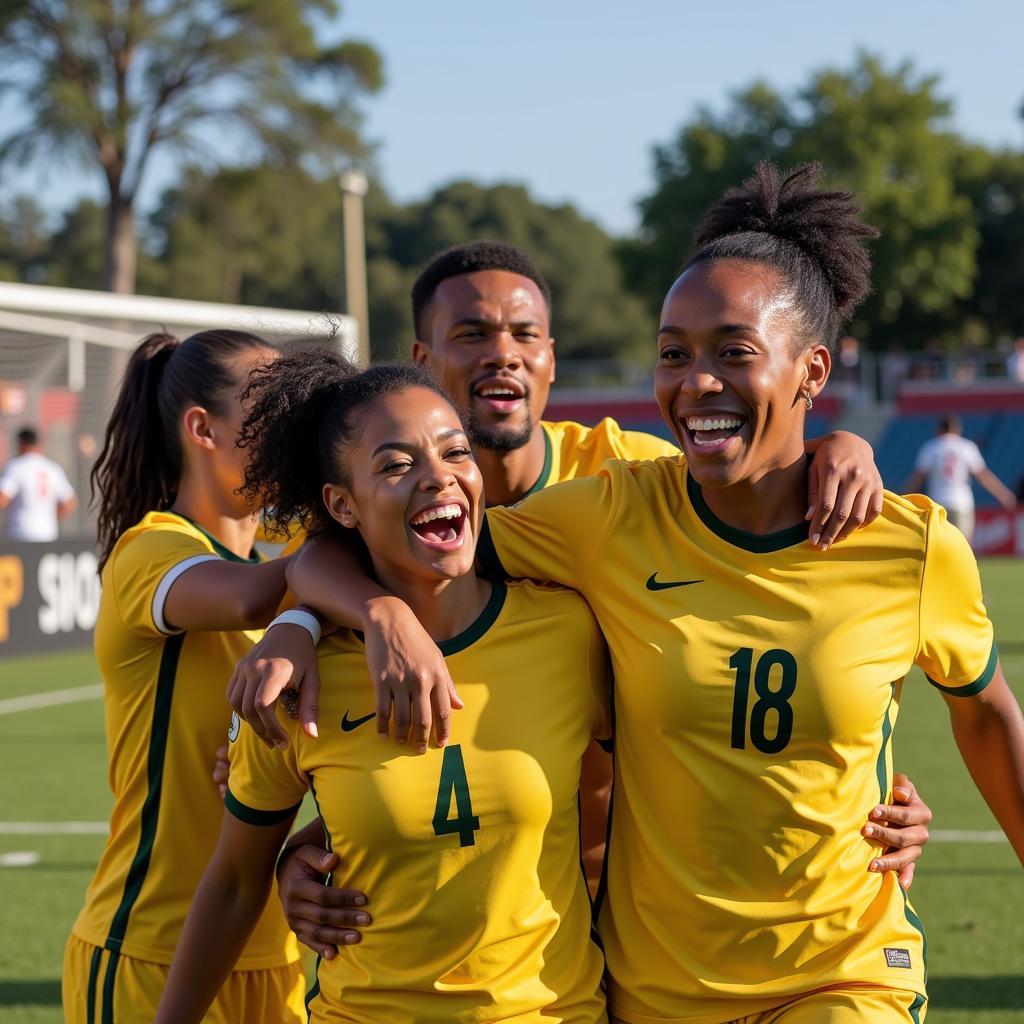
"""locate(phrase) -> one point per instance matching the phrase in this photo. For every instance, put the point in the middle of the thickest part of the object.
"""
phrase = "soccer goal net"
(63, 351)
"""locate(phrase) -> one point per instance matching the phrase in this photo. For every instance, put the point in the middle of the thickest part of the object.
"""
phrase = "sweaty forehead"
(495, 295)
(412, 416)
(724, 291)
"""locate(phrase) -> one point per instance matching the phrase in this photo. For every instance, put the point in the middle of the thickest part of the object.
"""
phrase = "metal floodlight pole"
(354, 186)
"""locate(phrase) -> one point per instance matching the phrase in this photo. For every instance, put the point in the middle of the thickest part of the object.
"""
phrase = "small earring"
(809, 401)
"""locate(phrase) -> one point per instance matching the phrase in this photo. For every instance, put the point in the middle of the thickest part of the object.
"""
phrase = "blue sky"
(569, 96)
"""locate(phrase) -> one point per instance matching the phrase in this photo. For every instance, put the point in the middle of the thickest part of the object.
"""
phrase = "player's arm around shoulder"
(218, 594)
(165, 579)
(844, 487)
(555, 534)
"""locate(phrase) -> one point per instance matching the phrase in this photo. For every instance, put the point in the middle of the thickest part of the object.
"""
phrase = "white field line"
(32, 701)
(959, 835)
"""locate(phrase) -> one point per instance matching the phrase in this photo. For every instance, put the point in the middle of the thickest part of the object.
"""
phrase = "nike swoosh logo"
(655, 584)
(347, 724)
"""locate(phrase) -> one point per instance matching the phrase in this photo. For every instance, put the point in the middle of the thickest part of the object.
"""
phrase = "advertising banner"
(998, 532)
(49, 596)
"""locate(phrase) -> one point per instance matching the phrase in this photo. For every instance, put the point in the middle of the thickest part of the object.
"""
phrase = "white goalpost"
(63, 350)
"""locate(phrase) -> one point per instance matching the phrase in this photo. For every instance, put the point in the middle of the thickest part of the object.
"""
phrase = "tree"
(109, 82)
(23, 240)
(881, 132)
(594, 316)
(257, 235)
(993, 183)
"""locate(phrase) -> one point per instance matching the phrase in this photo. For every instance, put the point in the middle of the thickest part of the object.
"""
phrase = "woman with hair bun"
(757, 678)
(184, 596)
(752, 670)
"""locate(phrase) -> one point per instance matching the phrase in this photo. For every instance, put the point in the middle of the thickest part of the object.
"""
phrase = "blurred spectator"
(895, 369)
(34, 491)
(933, 362)
(945, 465)
(1015, 362)
(848, 365)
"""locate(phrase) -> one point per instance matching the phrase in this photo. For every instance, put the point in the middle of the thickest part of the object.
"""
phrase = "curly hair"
(812, 236)
(470, 258)
(301, 416)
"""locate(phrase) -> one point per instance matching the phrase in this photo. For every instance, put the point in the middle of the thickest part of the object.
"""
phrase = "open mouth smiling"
(713, 432)
(501, 393)
(441, 526)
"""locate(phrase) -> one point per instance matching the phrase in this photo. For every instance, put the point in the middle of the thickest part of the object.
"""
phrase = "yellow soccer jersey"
(165, 717)
(470, 854)
(572, 450)
(756, 686)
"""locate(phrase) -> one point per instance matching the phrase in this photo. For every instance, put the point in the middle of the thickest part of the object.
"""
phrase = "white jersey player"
(945, 465)
(34, 491)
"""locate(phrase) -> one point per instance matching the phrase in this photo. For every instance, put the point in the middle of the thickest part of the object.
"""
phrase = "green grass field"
(52, 769)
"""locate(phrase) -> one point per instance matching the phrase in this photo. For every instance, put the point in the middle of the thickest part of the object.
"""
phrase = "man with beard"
(481, 313)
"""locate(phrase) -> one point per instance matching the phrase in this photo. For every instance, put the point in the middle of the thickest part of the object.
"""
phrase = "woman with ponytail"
(184, 595)
(472, 850)
(757, 676)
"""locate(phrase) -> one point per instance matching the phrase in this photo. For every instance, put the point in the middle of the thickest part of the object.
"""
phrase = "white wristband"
(297, 617)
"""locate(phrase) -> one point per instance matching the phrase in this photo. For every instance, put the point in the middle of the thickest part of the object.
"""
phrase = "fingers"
(306, 861)
(323, 940)
(837, 529)
(823, 484)
(902, 838)
(323, 904)
(383, 709)
(838, 492)
(259, 692)
(453, 696)
(901, 815)
(906, 876)
(309, 701)
(899, 861)
(403, 717)
(422, 718)
(264, 704)
(442, 712)
(903, 790)
(322, 916)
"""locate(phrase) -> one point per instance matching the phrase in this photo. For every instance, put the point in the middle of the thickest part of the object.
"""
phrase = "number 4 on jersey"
(453, 782)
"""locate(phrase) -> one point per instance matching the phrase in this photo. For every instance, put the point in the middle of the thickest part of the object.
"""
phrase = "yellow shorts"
(853, 1004)
(100, 987)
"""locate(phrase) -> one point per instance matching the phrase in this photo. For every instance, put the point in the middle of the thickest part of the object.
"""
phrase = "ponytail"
(133, 473)
(139, 467)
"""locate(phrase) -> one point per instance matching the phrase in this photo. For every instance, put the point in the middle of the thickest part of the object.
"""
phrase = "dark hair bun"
(824, 224)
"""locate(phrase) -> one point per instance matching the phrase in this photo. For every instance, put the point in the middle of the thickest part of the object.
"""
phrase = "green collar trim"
(483, 622)
(219, 548)
(759, 543)
(545, 472)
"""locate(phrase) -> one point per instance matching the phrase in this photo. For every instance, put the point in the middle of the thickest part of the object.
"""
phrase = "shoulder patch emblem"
(233, 728)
